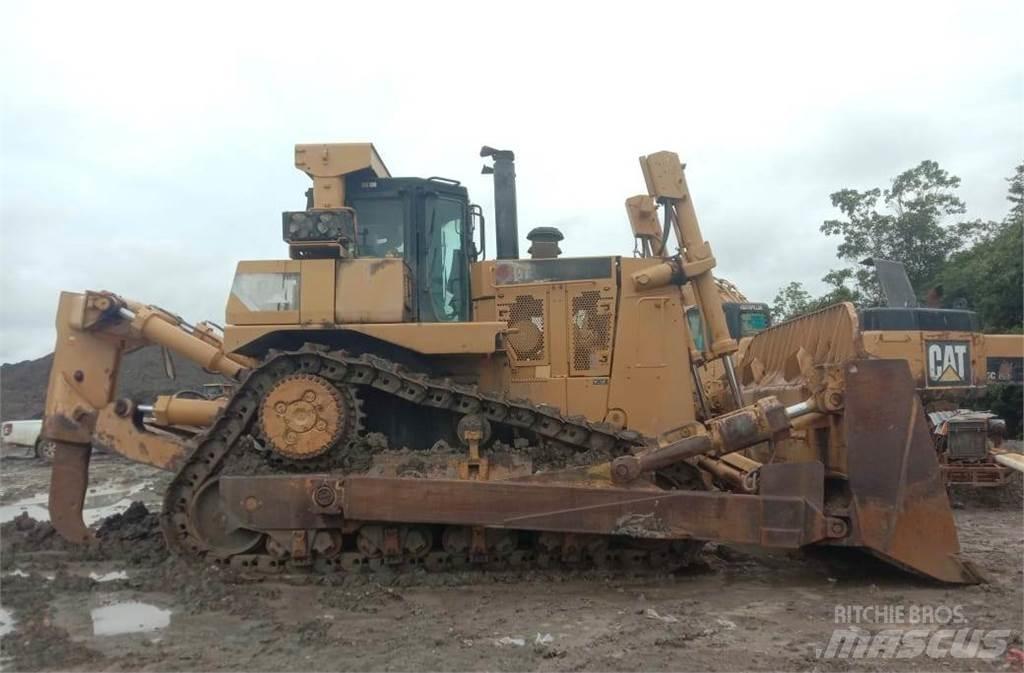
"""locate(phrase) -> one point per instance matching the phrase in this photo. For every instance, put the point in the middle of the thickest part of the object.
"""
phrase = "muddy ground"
(69, 608)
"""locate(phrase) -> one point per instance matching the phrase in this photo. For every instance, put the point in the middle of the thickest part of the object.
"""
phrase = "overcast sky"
(145, 152)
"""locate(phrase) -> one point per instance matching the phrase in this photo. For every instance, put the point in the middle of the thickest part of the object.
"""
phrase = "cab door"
(444, 257)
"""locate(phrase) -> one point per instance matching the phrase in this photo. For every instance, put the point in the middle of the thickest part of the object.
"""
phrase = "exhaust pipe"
(506, 221)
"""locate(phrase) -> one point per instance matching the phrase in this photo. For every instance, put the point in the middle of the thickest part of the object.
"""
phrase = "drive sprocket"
(304, 415)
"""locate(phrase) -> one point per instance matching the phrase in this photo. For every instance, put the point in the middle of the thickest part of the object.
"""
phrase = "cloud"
(146, 150)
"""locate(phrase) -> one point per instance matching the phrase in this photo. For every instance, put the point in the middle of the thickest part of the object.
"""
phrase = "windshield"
(752, 322)
(380, 223)
(446, 261)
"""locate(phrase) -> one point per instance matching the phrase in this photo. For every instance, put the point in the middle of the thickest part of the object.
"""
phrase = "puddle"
(6, 621)
(112, 489)
(100, 502)
(35, 506)
(128, 617)
(110, 576)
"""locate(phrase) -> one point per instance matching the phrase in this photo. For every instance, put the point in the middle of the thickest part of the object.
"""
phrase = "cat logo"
(948, 363)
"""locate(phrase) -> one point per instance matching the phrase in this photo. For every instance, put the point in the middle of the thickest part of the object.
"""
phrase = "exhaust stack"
(506, 221)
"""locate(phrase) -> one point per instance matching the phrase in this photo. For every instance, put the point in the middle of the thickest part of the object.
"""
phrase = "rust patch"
(60, 427)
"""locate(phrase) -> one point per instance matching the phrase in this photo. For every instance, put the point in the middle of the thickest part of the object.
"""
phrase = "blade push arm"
(666, 186)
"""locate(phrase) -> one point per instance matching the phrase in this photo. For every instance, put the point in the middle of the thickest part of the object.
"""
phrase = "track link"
(233, 429)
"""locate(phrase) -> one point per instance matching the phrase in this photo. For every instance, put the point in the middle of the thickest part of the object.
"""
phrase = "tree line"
(919, 220)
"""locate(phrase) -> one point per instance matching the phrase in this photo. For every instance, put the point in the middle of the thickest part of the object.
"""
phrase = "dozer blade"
(899, 506)
(69, 479)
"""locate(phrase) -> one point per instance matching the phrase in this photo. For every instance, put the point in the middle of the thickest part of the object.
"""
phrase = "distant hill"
(23, 385)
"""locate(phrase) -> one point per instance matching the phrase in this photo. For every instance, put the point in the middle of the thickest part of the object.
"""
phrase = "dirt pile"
(24, 535)
(23, 384)
(132, 537)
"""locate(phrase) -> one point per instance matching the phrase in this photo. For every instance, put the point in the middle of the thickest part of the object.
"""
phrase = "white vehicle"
(22, 435)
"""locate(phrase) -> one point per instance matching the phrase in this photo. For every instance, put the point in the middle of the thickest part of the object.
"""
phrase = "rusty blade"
(69, 479)
(900, 508)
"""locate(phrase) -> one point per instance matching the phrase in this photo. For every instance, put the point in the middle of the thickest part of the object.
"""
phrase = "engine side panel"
(650, 382)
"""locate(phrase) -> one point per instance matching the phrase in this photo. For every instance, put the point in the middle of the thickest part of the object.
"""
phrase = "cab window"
(380, 227)
(266, 291)
(753, 322)
(696, 327)
(446, 262)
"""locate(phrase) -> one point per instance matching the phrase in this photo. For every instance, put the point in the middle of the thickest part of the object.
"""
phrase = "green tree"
(793, 299)
(989, 276)
(909, 222)
(1016, 195)
(790, 301)
(975, 263)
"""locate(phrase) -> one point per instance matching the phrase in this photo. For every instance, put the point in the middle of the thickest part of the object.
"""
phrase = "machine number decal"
(1005, 370)
(948, 363)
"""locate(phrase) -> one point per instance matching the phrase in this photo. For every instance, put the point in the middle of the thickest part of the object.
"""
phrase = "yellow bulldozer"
(400, 399)
(951, 361)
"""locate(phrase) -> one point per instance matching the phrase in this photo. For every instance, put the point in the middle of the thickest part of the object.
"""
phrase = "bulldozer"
(401, 400)
(951, 361)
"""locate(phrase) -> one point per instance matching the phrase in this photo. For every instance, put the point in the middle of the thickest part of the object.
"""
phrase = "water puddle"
(100, 502)
(128, 617)
(6, 621)
(34, 506)
(117, 489)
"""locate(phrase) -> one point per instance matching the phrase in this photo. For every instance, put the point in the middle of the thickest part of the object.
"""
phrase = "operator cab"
(356, 212)
(426, 223)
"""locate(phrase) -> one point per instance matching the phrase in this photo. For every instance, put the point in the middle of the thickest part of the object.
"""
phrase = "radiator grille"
(526, 316)
(967, 439)
(591, 333)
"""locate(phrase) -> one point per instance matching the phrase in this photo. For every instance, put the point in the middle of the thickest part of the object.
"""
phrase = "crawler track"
(187, 506)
